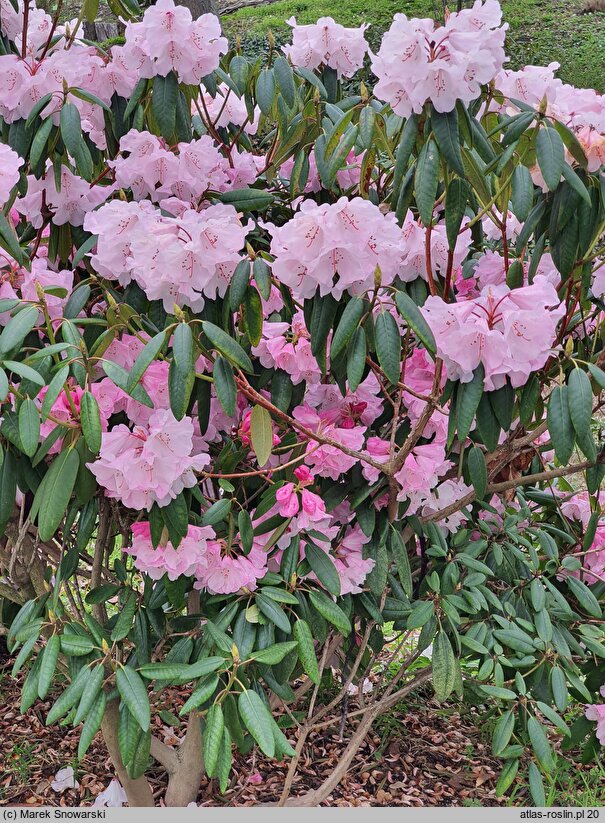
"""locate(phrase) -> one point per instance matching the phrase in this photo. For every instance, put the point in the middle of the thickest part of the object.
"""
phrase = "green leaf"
(584, 596)
(426, 180)
(204, 692)
(71, 128)
(17, 329)
(92, 724)
(507, 776)
(306, 650)
(227, 346)
(356, 358)
(252, 315)
(402, 156)
(247, 199)
(331, 612)
(467, 402)
(217, 512)
(29, 426)
(164, 101)
(273, 655)
(456, 199)
(273, 612)
(413, 317)
(540, 745)
(445, 129)
(402, 561)
(477, 470)
(347, 325)
(24, 371)
(145, 358)
(54, 390)
(420, 614)
(261, 434)
(50, 655)
(285, 80)
(133, 692)
(224, 384)
(503, 731)
(523, 193)
(76, 645)
(55, 491)
(550, 153)
(257, 720)
(388, 345)
(323, 566)
(265, 90)
(559, 422)
(213, 736)
(94, 685)
(125, 618)
(70, 696)
(246, 530)
(90, 417)
(536, 785)
(39, 142)
(445, 666)
(579, 398)
(262, 277)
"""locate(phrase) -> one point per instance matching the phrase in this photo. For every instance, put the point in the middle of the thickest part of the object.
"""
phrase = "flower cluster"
(419, 61)
(168, 39)
(10, 163)
(327, 43)
(511, 332)
(150, 464)
(165, 559)
(149, 169)
(173, 259)
(336, 248)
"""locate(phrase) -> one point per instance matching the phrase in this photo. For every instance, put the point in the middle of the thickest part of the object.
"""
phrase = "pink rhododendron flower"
(150, 464)
(347, 177)
(165, 559)
(223, 572)
(364, 405)
(414, 263)
(168, 39)
(419, 61)
(287, 347)
(336, 248)
(10, 163)
(327, 43)
(174, 259)
(350, 564)
(313, 507)
(327, 460)
(69, 205)
(597, 713)
(151, 169)
(510, 332)
(227, 108)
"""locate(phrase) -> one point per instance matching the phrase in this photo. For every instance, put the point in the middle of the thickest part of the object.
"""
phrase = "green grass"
(571, 785)
(540, 30)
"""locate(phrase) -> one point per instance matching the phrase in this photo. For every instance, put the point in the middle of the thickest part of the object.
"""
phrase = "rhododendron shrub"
(296, 374)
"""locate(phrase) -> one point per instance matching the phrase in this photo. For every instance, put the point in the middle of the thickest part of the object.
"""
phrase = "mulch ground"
(421, 756)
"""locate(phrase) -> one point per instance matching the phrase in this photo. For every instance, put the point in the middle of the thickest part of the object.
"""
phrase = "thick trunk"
(184, 781)
(199, 7)
(137, 791)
